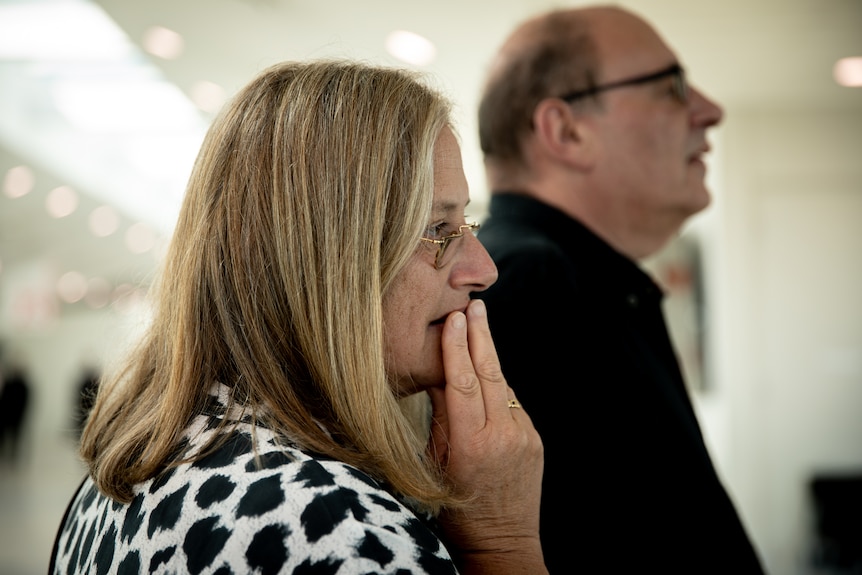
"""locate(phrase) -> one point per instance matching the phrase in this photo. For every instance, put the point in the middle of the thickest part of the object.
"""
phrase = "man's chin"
(699, 199)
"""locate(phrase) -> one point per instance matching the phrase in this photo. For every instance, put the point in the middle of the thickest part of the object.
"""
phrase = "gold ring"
(514, 404)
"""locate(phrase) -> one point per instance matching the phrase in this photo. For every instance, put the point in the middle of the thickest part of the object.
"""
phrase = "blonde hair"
(310, 193)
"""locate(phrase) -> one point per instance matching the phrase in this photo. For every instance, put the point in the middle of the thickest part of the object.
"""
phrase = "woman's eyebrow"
(444, 207)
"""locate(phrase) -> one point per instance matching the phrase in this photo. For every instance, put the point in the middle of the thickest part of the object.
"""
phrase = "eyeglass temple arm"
(676, 69)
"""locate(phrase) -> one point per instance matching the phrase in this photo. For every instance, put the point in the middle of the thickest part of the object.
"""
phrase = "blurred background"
(104, 103)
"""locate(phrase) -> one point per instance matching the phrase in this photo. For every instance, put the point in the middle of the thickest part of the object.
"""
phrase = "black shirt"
(629, 486)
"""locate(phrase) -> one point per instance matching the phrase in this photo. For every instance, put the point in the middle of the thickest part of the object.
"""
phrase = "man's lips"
(699, 153)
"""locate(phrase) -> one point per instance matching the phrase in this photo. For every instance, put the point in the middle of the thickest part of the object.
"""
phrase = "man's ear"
(562, 134)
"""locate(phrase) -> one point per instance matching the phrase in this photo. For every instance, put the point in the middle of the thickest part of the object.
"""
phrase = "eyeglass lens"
(680, 86)
(444, 253)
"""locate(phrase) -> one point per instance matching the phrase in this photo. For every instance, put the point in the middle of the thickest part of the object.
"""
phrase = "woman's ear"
(563, 134)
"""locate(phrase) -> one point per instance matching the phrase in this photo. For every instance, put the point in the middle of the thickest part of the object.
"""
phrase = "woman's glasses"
(444, 255)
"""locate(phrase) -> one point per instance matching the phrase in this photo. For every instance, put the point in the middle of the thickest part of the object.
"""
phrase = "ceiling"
(747, 54)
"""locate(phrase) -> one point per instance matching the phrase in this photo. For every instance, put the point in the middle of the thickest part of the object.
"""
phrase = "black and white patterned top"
(284, 511)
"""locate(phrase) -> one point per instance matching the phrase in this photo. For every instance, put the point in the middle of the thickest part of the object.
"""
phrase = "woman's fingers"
(492, 452)
(464, 394)
(474, 380)
(483, 354)
(473, 414)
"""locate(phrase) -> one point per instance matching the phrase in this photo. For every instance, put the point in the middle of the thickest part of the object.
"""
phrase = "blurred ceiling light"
(411, 48)
(18, 181)
(61, 201)
(140, 238)
(167, 157)
(80, 91)
(848, 72)
(103, 221)
(208, 96)
(98, 293)
(116, 106)
(162, 42)
(60, 30)
(72, 287)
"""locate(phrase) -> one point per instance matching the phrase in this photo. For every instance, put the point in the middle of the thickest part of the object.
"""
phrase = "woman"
(316, 294)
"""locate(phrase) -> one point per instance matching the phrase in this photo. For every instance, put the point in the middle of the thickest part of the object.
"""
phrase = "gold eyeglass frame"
(444, 242)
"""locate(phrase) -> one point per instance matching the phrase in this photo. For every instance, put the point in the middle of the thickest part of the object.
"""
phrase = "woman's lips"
(442, 320)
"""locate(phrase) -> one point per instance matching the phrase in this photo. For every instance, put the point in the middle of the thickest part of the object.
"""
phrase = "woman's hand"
(489, 451)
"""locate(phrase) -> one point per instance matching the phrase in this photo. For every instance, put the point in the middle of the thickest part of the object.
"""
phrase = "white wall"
(786, 315)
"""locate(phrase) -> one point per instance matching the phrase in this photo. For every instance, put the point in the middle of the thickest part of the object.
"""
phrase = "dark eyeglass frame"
(443, 243)
(680, 86)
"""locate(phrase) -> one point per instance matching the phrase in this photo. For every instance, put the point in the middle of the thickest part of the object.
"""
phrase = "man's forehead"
(628, 44)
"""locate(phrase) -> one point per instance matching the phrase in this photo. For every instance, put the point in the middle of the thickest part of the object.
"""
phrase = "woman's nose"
(475, 266)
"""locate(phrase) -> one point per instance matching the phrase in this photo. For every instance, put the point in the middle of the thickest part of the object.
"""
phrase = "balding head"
(551, 54)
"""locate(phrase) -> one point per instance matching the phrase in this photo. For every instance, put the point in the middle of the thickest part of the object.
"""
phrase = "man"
(593, 147)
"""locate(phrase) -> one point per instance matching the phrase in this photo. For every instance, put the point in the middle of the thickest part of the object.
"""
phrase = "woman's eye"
(437, 231)
(442, 229)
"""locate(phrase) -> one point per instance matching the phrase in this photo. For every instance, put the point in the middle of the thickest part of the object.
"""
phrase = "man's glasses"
(444, 255)
(679, 86)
